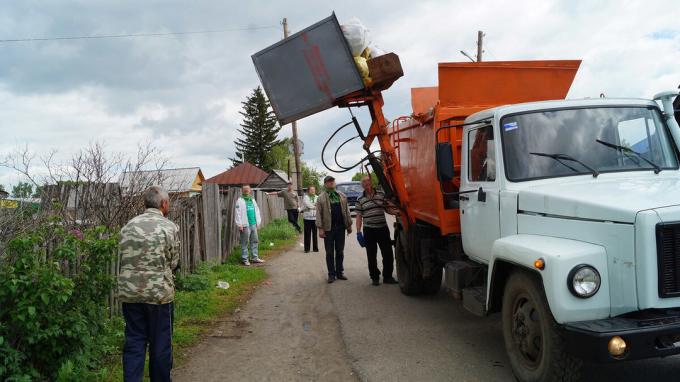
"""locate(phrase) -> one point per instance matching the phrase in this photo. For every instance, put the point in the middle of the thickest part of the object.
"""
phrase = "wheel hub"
(526, 330)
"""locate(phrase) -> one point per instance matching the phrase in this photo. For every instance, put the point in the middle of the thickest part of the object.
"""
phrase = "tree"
(22, 190)
(311, 176)
(280, 155)
(374, 179)
(259, 129)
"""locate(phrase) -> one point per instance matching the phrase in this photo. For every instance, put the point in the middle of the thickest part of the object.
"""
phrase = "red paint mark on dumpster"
(317, 67)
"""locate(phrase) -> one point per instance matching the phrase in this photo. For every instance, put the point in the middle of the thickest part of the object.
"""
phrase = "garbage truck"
(562, 216)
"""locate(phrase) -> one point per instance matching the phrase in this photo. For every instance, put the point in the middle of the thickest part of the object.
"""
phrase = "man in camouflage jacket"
(149, 252)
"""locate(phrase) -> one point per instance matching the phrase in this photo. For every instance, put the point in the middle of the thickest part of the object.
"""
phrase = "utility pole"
(480, 48)
(296, 147)
(480, 38)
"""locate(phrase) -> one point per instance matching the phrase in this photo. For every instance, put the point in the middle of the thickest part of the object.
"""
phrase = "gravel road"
(298, 328)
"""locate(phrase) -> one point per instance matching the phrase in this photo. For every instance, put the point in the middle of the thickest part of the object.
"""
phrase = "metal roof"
(245, 173)
(172, 180)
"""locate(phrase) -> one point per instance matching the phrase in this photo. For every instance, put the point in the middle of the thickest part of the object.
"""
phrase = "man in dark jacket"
(332, 220)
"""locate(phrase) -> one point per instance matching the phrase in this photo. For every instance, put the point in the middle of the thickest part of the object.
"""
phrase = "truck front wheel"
(408, 272)
(532, 337)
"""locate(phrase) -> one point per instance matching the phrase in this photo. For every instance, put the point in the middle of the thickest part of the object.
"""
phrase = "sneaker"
(376, 282)
(246, 263)
(390, 280)
(258, 261)
(341, 277)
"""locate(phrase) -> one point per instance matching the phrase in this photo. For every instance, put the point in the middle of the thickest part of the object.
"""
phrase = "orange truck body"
(463, 89)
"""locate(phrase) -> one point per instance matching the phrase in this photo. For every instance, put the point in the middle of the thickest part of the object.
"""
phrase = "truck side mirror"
(445, 170)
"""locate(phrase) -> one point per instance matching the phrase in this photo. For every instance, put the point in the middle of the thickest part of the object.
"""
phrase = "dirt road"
(298, 328)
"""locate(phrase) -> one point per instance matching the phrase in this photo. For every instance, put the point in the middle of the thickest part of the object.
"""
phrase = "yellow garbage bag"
(362, 65)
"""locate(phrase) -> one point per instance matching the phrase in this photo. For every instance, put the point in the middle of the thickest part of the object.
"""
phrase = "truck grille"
(668, 259)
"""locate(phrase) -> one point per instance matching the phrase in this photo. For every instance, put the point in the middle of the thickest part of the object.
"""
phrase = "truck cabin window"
(567, 142)
(482, 157)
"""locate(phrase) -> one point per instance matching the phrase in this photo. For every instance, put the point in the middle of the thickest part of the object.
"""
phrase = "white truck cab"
(573, 209)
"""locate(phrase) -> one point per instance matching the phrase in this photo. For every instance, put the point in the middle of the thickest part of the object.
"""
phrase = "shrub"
(50, 322)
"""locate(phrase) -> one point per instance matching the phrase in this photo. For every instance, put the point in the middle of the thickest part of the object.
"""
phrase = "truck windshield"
(580, 133)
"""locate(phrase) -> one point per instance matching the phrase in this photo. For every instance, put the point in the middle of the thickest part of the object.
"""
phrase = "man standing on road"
(370, 210)
(309, 218)
(291, 204)
(149, 252)
(332, 220)
(247, 219)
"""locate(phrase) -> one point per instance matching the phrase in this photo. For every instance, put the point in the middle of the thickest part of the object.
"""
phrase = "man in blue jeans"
(248, 220)
(332, 220)
(149, 252)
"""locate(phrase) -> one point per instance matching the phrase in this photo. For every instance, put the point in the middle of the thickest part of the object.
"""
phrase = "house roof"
(282, 174)
(172, 180)
(245, 173)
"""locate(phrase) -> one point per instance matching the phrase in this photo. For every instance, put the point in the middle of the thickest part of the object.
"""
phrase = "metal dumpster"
(308, 71)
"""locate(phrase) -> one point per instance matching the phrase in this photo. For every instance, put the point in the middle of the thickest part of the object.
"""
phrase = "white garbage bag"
(375, 51)
(357, 35)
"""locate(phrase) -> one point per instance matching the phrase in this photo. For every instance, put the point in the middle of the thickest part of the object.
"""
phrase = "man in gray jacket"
(291, 203)
(332, 220)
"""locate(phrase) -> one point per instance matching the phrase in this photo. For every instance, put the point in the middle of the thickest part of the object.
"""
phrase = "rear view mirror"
(445, 170)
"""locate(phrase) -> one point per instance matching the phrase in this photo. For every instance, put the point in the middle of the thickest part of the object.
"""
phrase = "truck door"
(479, 211)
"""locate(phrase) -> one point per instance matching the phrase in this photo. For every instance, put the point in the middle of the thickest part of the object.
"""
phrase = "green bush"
(192, 282)
(51, 323)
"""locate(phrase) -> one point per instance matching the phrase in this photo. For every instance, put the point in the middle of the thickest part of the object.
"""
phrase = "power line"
(133, 35)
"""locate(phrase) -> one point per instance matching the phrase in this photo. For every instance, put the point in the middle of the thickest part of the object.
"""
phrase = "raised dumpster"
(308, 71)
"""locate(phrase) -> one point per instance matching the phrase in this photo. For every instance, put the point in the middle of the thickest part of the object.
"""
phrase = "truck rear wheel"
(533, 340)
(408, 272)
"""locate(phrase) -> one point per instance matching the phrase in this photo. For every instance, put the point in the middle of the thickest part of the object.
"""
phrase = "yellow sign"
(9, 203)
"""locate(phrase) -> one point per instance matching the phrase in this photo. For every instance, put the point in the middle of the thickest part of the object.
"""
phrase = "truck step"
(474, 300)
(460, 274)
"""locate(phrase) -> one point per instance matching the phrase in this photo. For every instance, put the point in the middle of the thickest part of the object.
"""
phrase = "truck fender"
(560, 256)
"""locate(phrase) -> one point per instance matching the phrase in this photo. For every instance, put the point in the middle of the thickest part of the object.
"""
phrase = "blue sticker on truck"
(510, 126)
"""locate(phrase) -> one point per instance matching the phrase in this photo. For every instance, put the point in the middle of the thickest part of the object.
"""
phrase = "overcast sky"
(183, 93)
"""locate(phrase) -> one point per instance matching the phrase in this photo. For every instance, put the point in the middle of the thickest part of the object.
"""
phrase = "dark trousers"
(293, 219)
(147, 324)
(310, 234)
(334, 242)
(379, 237)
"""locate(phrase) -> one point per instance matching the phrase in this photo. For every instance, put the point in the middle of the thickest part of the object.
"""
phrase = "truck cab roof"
(558, 104)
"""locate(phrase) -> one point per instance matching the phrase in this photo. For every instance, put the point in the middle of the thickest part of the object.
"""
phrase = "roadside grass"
(198, 302)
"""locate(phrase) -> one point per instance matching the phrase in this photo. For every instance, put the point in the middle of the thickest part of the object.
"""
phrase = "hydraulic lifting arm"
(387, 168)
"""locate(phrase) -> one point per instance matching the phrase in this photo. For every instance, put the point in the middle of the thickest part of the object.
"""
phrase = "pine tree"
(259, 130)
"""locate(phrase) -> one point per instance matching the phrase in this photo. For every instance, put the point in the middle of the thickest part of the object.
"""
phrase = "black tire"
(533, 340)
(408, 272)
(432, 284)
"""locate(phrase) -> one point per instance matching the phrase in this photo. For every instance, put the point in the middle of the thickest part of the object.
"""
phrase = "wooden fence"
(206, 223)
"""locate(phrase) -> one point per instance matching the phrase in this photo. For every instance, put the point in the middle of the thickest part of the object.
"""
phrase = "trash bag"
(375, 51)
(357, 36)
(362, 65)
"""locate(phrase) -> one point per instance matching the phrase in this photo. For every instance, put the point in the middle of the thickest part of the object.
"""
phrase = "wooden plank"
(211, 221)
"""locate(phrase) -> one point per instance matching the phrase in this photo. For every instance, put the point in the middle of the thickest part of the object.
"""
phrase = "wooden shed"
(276, 180)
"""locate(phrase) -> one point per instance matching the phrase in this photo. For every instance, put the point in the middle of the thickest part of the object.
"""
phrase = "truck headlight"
(583, 281)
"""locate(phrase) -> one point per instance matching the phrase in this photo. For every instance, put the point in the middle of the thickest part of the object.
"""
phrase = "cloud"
(184, 93)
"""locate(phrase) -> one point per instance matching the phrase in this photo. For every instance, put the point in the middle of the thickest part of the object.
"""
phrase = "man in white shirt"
(309, 218)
